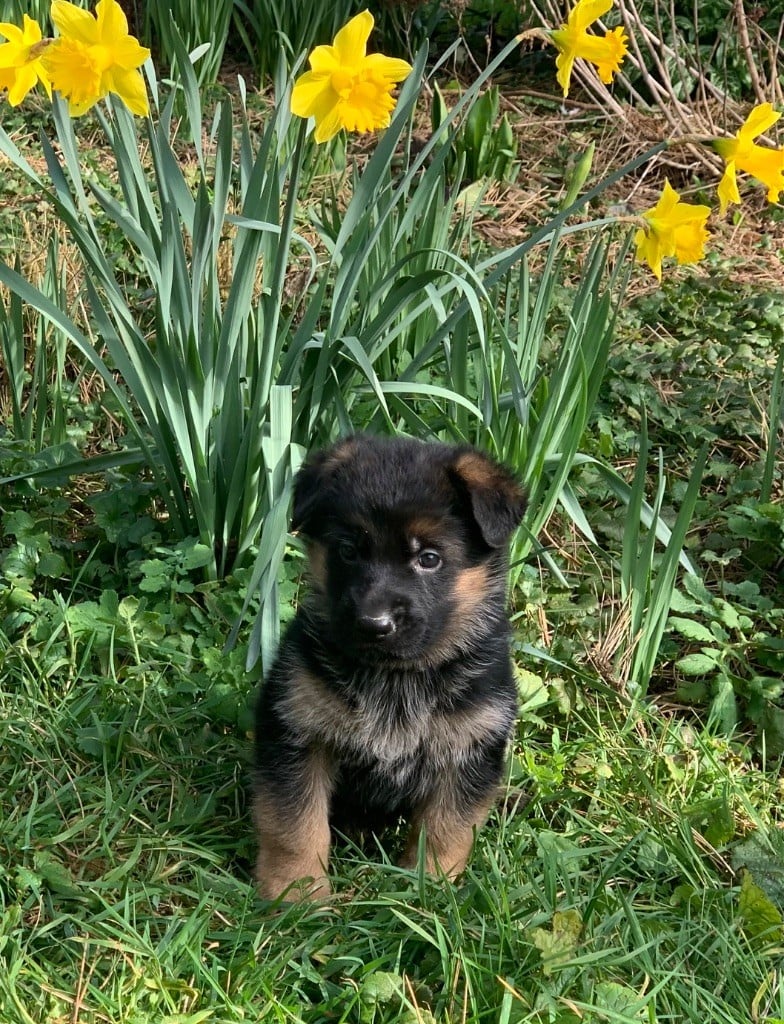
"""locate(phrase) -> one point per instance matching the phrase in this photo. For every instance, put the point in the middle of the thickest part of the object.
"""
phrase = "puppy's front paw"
(294, 879)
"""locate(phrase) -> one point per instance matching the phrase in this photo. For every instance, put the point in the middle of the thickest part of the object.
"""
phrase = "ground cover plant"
(211, 291)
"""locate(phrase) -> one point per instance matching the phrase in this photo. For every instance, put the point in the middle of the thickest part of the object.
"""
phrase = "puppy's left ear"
(496, 498)
(308, 484)
(311, 485)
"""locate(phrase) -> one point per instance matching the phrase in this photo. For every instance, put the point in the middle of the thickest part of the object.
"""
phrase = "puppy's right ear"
(312, 486)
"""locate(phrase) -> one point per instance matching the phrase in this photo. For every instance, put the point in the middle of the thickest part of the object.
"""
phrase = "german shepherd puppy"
(392, 694)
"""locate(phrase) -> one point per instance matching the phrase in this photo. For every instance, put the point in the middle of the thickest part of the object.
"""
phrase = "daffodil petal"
(728, 189)
(129, 86)
(668, 201)
(615, 50)
(351, 41)
(674, 228)
(690, 241)
(759, 120)
(346, 87)
(586, 12)
(328, 126)
(31, 30)
(75, 23)
(391, 68)
(78, 107)
(564, 63)
(647, 251)
(606, 52)
(21, 67)
(111, 19)
(309, 91)
(766, 165)
(11, 32)
(73, 73)
(25, 80)
(128, 54)
(324, 59)
(9, 56)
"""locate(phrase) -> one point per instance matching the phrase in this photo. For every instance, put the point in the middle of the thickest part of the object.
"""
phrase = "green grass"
(595, 893)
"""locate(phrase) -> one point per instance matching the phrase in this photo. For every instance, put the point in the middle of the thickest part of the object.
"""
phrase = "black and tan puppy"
(392, 695)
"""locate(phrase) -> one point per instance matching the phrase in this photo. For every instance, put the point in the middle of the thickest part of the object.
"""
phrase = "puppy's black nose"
(377, 625)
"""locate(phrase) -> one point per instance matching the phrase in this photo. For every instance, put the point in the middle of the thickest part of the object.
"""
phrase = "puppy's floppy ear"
(312, 482)
(496, 498)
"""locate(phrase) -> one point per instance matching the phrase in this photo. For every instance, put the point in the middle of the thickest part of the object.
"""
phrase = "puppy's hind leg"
(292, 825)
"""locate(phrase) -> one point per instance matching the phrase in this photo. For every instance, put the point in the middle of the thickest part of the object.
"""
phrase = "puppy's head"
(407, 544)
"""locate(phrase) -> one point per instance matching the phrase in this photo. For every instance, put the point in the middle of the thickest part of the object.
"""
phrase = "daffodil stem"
(534, 33)
(634, 220)
(689, 140)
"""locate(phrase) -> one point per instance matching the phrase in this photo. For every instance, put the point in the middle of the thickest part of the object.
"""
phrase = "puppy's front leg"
(291, 812)
(450, 825)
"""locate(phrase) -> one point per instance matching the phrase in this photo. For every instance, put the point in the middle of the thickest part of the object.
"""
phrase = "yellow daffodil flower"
(94, 55)
(673, 229)
(573, 41)
(346, 87)
(741, 153)
(21, 65)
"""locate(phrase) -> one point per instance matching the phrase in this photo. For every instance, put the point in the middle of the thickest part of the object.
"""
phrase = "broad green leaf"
(559, 943)
(763, 855)
(618, 1000)
(724, 705)
(691, 629)
(759, 916)
(698, 664)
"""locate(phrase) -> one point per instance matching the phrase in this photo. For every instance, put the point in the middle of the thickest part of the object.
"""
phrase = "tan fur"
(469, 592)
(469, 595)
(367, 732)
(458, 731)
(312, 710)
(476, 471)
(449, 835)
(423, 528)
(479, 474)
(294, 843)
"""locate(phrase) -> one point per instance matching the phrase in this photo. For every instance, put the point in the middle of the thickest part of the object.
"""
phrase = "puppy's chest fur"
(394, 718)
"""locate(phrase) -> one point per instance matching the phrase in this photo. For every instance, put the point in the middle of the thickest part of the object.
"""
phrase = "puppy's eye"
(348, 551)
(428, 560)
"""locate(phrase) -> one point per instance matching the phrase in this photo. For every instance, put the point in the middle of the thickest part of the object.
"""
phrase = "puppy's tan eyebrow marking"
(423, 531)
